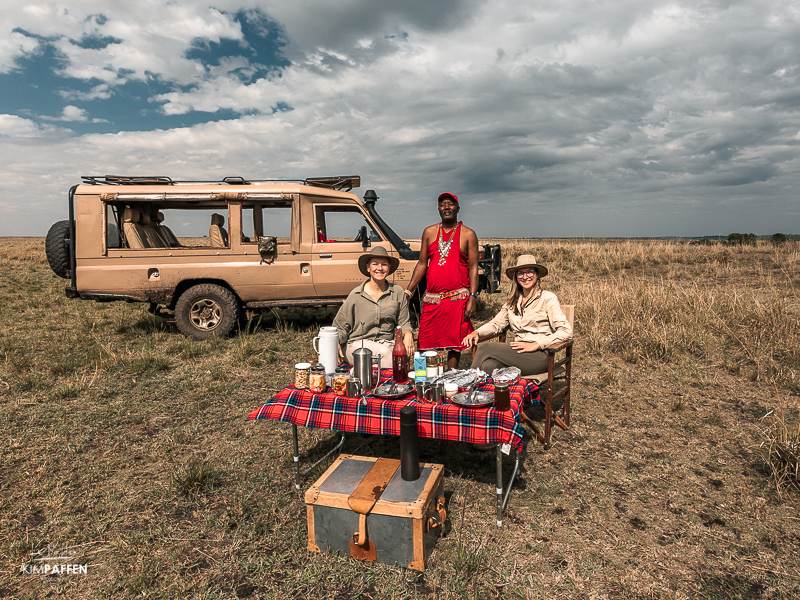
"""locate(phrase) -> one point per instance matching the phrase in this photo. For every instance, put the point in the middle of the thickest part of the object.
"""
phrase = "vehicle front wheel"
(206, 310)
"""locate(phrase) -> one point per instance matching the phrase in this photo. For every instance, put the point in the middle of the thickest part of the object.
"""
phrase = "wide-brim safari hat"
(526, 261)
(377, 251)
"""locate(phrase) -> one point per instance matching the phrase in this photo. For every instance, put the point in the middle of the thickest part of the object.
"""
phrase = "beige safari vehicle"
(208, 253)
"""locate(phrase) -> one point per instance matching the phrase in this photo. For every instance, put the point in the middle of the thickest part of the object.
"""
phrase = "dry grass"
(780, 449)
(127, 443)
(659, 301)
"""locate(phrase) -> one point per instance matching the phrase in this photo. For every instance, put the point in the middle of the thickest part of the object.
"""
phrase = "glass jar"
(301, 373)
(502, 397)
(431, 364)
(316, 379)
(340, 378)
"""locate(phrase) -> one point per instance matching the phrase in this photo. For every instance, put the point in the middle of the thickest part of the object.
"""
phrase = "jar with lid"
(502, 397)
(301, 373)
(316, 380)
(340, 377)
(432, 364)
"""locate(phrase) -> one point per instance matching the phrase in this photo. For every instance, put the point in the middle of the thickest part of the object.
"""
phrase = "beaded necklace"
(444, 244)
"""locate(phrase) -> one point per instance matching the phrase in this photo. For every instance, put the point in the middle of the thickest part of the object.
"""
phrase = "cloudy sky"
(547, 118)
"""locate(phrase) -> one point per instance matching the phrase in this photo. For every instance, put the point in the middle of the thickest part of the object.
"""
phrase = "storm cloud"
(567, 118)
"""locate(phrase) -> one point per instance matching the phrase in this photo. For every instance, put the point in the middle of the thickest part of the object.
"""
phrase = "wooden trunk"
(401, 526)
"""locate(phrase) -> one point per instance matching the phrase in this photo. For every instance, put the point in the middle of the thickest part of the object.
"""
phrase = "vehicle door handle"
(326, 255)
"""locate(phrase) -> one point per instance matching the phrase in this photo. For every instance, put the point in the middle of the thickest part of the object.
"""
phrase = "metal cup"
(440, 392)
(354, 389)
(376, 369)
(423, 390)
(436, 393)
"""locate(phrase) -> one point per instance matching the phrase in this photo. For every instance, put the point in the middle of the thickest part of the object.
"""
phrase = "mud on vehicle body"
(210, 252)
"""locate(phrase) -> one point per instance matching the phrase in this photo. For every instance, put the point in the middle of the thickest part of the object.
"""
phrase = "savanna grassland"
(126, 444)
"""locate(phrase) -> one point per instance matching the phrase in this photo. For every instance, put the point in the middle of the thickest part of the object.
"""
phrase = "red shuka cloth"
(443, 325)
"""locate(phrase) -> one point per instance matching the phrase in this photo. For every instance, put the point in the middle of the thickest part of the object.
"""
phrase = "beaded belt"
(454, 295)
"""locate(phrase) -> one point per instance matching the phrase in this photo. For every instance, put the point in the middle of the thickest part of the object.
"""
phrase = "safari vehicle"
(212, 252)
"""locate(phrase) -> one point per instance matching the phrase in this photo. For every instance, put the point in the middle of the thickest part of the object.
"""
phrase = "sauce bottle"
(399, 359)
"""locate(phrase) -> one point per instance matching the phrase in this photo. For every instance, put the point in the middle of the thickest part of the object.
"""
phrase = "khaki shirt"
(540, 320)
(380, 318)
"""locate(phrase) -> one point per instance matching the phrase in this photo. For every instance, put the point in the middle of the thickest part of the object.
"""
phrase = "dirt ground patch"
(658, 490)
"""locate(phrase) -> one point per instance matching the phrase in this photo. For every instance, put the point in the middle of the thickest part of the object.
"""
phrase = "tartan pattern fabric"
(379, 416)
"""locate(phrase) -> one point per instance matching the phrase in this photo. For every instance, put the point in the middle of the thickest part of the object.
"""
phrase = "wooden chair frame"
(554, 375)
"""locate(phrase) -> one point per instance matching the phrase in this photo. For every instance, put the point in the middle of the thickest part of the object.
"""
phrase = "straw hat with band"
(526, 261)
(377, 252)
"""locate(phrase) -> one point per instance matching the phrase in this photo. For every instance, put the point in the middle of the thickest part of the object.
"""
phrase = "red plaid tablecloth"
(379, 416)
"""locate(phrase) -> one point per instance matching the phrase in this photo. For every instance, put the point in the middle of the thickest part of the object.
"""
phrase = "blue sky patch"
(95, 42)
(262, 47)
(41, 91)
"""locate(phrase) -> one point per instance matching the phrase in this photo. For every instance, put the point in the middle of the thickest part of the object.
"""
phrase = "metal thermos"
(409, 444)
(362, 368)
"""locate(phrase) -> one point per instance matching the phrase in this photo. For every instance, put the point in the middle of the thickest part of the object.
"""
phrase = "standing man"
(449, 257)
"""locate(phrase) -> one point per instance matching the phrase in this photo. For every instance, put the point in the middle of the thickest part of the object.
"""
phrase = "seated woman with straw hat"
(532, 314)
(380, 305)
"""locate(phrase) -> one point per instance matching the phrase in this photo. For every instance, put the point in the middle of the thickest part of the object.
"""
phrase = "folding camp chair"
(557, 370)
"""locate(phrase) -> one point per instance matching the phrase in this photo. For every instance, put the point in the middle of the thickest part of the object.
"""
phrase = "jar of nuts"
(301, 372)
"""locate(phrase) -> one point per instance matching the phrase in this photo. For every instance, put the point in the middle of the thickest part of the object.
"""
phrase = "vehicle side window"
(343, 225)
(266, 220)
(147, 225)
(113, 238)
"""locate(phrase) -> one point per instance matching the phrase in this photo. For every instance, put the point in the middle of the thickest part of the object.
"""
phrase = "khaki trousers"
(382, 347)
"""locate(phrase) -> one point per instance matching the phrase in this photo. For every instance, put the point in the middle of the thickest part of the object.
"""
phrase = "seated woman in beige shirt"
(532, 314)
(381, 305)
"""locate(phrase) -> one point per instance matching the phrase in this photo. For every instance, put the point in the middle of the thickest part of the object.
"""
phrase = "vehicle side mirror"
(268, 248)
(364, 237)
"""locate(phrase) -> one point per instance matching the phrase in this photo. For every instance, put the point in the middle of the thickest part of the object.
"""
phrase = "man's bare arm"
(422, 264)
(472, 255)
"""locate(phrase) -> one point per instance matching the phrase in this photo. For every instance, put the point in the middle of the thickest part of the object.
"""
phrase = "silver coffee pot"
(362, 365)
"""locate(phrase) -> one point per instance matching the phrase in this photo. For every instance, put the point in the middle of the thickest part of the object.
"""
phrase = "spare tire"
(56, 247)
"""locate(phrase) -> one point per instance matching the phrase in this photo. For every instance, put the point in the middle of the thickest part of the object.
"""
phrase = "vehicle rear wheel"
(56, 248)
(205, 311)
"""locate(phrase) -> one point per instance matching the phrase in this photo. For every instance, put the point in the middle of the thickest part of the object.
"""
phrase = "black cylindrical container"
(409, 444)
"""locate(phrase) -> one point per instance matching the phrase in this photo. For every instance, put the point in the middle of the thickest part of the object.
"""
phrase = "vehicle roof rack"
(125, 180)
(337, 182)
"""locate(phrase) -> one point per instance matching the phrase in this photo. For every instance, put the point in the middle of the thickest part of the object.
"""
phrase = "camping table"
(373, 415)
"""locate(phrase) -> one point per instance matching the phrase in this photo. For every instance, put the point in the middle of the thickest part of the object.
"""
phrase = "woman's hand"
(408, 342)
(521, 347)
(470, 340)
